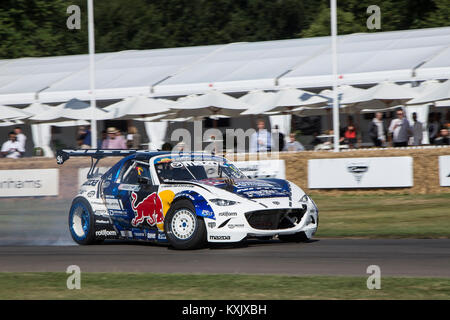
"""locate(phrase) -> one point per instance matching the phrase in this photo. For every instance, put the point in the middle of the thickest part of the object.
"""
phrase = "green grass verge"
(384, 216)
(221, 287)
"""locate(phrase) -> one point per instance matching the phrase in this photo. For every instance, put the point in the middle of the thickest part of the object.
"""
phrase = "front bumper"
(265, 222)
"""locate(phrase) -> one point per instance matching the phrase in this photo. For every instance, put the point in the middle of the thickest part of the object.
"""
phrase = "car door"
(139, 196)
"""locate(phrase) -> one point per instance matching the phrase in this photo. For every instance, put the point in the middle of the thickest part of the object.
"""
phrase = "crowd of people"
(111, 138)
(399, 133)
(14, 147)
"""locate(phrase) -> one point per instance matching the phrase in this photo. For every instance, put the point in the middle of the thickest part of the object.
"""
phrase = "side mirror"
(144, 180)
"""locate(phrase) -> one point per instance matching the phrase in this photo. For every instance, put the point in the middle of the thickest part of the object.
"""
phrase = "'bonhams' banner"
(29, 183)
(378, 172)
(444, 171)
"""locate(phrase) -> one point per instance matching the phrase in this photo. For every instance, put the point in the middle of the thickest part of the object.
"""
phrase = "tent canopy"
(363, 58)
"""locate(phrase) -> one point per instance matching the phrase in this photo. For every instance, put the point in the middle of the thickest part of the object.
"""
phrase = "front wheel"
(81, 222)
(184, 229)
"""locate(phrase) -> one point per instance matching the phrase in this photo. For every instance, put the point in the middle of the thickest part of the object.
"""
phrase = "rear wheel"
(184, 229)
(81, 222)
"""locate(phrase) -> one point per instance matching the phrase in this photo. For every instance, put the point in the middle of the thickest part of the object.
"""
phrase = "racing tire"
(296, 237)
(81, 222)
(184, 229)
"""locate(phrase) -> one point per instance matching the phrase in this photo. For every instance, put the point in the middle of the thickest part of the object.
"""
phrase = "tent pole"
(92, 72)
(334, 61)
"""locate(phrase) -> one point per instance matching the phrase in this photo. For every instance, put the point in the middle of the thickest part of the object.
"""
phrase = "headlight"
(305, 198)
(223, 202)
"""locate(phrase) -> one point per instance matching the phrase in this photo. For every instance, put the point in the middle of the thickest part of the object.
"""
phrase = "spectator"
(276, 132)
(114, 140)
(12, 148)
(417, 129)
(21, 138)
(80, 135)
(400, 130)
(433, 127)
(133, 138)
(350, 136)
(378, 130)
(86, 139)
(293, 145)
(261, 140)
(443, 139)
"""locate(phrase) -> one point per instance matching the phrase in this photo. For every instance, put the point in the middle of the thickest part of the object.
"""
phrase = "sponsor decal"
(223, 224)
(184, 186)
(126, 233)
(92, 183)
(166, 197)
(151, 235)
(163, 160)
(129, 187)
(102, 221)
(119, 213)
(161, 236)
(219, 237)
(105, 233)
(90, 194)
(276, 202)
(358, 169)
(150, 209)
(139, 234)
(227, 214)
(207, 213)
(113, 204)
(211, 224)
(232, 226)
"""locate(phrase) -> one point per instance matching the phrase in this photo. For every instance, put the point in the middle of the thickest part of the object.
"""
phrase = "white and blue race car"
(186, 199)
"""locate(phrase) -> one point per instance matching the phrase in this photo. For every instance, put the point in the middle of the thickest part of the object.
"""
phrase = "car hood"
(252, 188)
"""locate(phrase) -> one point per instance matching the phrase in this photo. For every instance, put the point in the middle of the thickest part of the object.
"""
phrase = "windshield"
(175, 170)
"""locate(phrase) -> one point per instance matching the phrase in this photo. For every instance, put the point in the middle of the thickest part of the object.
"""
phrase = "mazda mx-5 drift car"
(185, 199)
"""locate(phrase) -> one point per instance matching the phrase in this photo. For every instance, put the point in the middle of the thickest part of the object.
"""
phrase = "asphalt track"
(395, 257)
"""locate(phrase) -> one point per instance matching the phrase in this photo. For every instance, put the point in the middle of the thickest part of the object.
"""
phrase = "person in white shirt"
(261, 140)
(293, 145)
(21, 138)
(377, 130)
(400, 130)
(12, 148)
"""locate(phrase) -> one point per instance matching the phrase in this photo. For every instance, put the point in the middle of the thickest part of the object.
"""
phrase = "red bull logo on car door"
(150, 209)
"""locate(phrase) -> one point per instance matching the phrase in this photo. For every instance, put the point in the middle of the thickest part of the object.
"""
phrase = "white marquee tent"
(363, 58)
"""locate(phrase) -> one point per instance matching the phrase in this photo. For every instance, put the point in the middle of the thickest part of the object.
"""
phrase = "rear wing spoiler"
(64, 154)
(97, 154)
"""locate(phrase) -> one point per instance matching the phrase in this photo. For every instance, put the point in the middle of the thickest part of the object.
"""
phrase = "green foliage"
(38, 27)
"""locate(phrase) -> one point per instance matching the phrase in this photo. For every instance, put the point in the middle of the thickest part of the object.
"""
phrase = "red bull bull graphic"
(150, 209)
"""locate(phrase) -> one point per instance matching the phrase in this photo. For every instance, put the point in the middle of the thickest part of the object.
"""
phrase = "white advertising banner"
(379, 172)
(262, 168)
(29, 182)
(444, 171)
